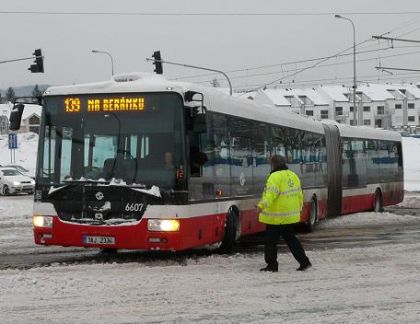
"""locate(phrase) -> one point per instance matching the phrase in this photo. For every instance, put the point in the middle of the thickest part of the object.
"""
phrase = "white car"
(12, 182)
(20, 169)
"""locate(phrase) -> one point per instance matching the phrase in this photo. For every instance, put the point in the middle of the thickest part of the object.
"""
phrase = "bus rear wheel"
(378, 203)
(313, 216)
(230, 232)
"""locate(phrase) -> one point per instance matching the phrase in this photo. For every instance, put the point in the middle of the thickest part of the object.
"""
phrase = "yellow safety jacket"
(282, 199)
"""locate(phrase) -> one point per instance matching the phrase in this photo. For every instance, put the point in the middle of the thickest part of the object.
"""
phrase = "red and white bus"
(140, 162)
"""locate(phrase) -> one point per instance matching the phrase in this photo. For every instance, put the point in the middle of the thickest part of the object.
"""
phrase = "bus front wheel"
(230, 232)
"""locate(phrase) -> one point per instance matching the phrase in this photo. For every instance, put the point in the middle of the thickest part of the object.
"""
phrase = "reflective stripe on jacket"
(282, 199)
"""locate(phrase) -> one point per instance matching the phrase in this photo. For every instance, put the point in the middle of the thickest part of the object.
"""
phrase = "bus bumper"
(192, 232)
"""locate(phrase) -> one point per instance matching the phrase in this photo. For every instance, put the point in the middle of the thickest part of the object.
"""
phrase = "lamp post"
(110, 56)
(355, 119)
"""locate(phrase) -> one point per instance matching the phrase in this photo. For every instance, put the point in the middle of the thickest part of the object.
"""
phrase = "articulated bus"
(140, 162)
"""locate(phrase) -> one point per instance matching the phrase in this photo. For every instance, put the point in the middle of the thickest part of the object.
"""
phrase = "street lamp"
(110, 56)
(355, 120)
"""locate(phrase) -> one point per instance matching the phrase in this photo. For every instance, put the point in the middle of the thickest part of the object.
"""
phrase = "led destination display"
(109, 104)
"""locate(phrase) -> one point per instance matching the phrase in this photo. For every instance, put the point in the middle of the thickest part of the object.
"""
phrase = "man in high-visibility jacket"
(280, 208)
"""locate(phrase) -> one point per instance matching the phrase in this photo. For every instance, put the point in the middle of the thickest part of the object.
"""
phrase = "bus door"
(200, 156)
(241, 157)
(334, 167)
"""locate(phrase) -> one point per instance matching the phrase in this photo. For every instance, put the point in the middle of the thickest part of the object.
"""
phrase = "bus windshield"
(132, 139)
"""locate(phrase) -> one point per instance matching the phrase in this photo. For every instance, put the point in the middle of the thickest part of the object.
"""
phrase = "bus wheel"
(6, 190)
(378, 204)
(230, 232)
(313, 216)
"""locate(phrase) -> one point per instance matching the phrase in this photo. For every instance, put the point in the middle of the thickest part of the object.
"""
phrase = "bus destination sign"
(111, 104)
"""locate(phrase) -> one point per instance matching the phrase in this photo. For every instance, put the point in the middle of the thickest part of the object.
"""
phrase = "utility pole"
(357, 116)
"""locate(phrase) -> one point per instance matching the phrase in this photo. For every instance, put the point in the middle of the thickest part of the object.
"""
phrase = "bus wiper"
(73, 183)
(153, 191)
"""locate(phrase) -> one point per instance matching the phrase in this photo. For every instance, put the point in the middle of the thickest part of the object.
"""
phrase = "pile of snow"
(411, 200)
(411, 154)
(15, 224)
(369, 218)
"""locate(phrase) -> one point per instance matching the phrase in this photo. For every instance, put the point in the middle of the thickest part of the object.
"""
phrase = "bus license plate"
(98, 239)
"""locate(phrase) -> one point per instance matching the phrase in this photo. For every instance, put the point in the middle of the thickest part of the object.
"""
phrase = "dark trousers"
(272, 234)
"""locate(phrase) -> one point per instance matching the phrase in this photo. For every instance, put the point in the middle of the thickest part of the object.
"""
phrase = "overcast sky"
(221, 42)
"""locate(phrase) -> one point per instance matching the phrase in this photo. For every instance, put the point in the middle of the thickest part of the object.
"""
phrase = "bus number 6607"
(133, 207)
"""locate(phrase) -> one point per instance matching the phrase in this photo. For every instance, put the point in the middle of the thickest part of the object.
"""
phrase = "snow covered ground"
(363, 285)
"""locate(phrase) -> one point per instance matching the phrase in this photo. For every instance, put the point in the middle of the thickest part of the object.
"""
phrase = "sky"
(223, 42)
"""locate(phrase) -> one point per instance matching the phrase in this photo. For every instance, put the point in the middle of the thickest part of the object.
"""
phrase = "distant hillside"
(23, 91)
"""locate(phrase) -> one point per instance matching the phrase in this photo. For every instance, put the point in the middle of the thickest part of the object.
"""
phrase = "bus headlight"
(163, 225)
(42, 221)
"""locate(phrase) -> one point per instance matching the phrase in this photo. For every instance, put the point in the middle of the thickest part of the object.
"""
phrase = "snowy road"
(21, 253)
(366, 270)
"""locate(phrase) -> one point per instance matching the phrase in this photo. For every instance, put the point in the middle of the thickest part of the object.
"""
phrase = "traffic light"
(38, 66)
(157, 62)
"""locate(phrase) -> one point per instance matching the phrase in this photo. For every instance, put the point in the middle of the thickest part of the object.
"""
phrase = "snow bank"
(15, 223)
(411, 200)
(369, 218)
(411, 154)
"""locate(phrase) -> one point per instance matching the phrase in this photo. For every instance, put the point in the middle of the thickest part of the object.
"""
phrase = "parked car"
(12, 182)
(20, 169)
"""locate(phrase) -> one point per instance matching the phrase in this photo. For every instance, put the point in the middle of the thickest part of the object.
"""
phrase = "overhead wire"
(319, 66)
(201, 14)
(399, 27)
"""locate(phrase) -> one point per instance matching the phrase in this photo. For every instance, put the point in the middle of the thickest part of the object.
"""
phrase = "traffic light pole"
(195, 67)
(21, 59)
(37, 66)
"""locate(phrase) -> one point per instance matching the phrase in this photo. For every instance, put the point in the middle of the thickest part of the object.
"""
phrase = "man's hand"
(258, 209)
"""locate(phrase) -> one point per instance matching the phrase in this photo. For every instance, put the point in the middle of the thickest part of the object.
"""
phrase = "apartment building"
(389, 106)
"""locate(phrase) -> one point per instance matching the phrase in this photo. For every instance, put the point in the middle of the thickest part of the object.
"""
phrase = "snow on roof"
(376, 92)
(277, 97)
(315, 96)
(129, 82)
(411, 88)
(31, 110)
(335, 92)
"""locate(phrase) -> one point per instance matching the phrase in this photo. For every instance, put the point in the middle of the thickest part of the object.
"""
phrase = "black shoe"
(270, 269)
(304, 266)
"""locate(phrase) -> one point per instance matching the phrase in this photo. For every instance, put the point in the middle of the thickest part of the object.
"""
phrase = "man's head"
(278, 162)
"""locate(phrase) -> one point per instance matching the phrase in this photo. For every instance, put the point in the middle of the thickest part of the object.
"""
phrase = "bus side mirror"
(16, 117)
